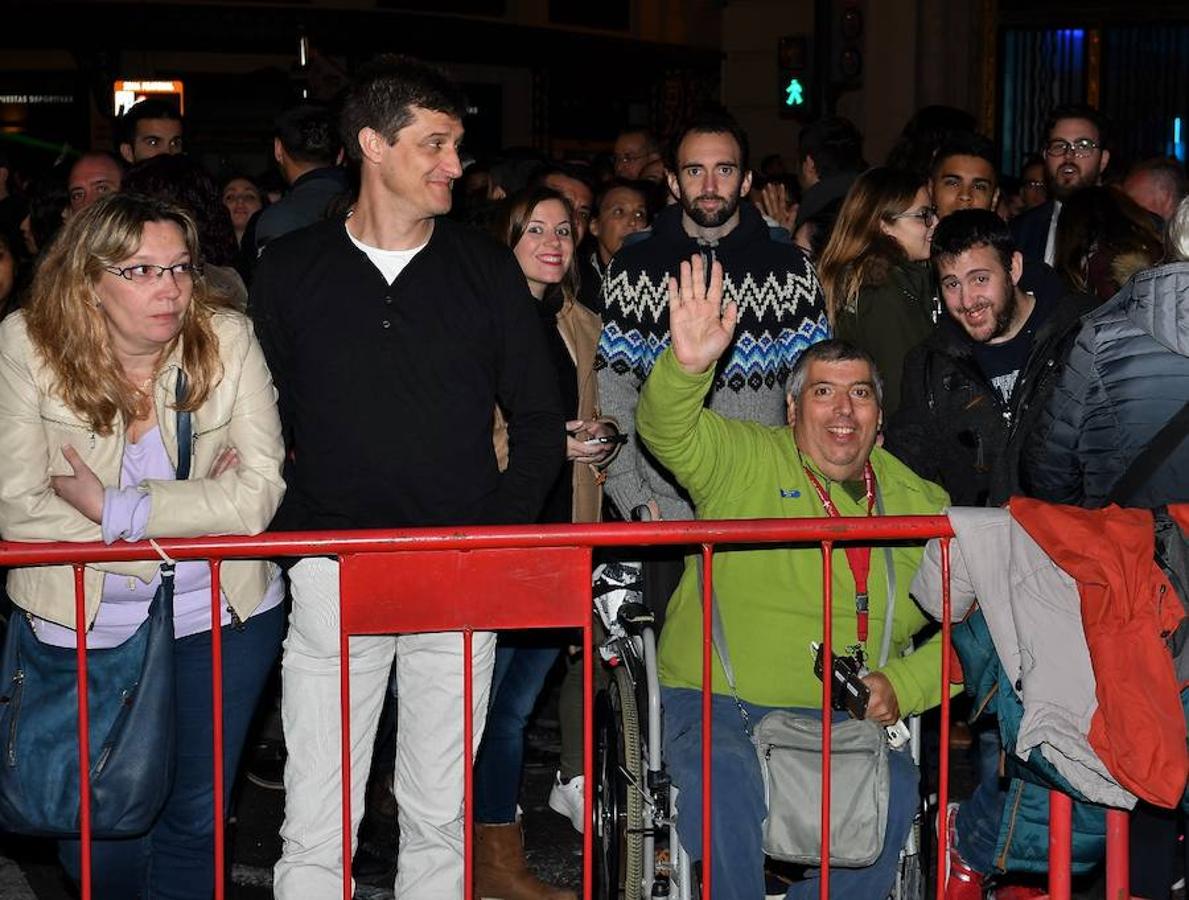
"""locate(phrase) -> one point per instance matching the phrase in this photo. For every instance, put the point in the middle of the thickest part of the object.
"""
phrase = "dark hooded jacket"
(954, 428)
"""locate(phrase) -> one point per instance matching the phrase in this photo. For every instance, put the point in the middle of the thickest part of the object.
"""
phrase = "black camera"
(848, 690)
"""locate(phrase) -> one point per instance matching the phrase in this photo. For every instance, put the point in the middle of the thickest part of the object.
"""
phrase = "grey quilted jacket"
(1127, 375)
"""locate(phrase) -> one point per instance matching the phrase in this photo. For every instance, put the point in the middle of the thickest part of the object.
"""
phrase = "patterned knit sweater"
(781, 312)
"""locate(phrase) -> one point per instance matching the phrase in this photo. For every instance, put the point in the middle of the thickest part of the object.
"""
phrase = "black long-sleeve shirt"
(388, 391)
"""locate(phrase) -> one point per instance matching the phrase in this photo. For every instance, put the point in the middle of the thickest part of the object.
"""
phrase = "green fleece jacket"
(771, 600)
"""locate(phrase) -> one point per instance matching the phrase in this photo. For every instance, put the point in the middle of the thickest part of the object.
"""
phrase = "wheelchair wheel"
(619, 801)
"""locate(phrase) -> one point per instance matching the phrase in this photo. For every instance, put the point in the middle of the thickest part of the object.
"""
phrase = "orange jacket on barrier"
(1127, 607)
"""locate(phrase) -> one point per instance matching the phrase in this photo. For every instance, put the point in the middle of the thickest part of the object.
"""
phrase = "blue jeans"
(976, 831)
(176, 859)
(522, 662)
(739, 807)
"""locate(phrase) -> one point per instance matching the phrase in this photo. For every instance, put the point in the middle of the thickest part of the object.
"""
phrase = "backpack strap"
(1151, 457)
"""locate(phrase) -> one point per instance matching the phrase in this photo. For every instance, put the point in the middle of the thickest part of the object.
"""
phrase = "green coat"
(771, 600)
(888, 320)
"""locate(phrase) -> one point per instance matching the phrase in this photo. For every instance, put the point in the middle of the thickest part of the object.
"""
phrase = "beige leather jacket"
(240, 412)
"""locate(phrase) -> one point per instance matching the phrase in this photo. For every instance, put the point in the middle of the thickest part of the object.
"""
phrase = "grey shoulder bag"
(789, 749)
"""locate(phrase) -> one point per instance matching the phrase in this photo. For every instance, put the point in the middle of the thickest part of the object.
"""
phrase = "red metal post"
(827, 706)
(707, 710)
(84, 734)
(468, 758)
(345, 731)
(1118, 878)
(1060, 846)
(943, 748)
(217, 721)
(588, 651)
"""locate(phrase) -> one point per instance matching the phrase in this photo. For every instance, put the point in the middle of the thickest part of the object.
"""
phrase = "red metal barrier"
(421, 580)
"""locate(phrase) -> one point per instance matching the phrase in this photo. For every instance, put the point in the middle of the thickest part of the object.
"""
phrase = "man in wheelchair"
(770, 600)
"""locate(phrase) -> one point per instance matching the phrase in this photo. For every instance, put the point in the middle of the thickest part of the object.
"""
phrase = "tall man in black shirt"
(391, 337)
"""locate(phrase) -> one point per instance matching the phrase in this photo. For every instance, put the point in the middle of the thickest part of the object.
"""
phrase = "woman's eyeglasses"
(927, 214)
(147, 273)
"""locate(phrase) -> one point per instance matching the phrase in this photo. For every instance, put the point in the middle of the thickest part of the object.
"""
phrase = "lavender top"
(124, 604)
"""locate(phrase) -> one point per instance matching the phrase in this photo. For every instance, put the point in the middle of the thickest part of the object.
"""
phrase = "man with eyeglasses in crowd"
(1033, 189)
(637, 154)
(1075, 156)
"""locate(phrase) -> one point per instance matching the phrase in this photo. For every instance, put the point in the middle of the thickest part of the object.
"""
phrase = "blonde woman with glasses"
(89, 395)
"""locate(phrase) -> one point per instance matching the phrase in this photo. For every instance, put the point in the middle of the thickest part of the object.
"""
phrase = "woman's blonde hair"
(859, 252)
(69, 330)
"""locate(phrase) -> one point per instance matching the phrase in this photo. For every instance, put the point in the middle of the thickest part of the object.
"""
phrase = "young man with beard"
(972, 389)
(781, 312)
(971, 394)
(1075, 156)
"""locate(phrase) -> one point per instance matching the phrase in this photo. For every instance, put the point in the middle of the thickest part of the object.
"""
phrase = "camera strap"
(858, 558)
(718, 634)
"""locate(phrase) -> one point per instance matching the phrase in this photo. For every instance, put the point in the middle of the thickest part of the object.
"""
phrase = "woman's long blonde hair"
(859, 252)
(69, 330)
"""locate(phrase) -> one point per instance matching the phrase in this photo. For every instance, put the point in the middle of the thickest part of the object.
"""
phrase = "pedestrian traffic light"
(794, 67)
(846, 43)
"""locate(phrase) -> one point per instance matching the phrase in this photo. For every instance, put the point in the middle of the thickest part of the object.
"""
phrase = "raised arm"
(699, 327)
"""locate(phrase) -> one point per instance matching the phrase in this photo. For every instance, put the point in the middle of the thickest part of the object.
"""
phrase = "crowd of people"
(384, 332)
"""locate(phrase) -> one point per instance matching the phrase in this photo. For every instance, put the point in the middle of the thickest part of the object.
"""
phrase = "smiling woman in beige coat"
(89, 376)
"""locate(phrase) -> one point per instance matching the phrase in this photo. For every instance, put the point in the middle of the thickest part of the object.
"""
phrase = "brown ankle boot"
(500, 872)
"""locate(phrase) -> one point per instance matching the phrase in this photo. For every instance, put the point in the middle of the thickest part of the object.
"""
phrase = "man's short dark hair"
(565, 170)
(650, 140)
(644, 188)
(383, 93)
(833, 350)
(1079, 111)
(1167, 170)
(968, 228)
(114, 158)
(710, 121)
(149, 108)
(835, 144)
(965, 143)
(307, 132)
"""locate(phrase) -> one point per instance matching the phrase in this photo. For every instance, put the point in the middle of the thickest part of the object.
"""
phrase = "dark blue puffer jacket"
(1127, 375)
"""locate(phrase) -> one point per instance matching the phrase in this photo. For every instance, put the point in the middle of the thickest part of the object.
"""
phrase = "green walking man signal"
(794, 93)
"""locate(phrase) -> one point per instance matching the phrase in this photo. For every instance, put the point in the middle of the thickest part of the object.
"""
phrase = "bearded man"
(972, 389)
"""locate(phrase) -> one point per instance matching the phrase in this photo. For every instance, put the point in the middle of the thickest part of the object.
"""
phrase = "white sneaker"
(566, 799)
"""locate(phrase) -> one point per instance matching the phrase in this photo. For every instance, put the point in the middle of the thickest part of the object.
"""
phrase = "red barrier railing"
(462, 571)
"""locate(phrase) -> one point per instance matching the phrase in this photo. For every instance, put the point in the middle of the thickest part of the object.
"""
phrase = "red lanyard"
(859, 558)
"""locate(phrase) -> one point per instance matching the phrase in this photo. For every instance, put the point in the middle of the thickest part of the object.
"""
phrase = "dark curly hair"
(179, 180)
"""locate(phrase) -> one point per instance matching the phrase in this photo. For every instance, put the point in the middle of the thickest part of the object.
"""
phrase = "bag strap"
(184, 429)
(1159, 448)
(718, 634)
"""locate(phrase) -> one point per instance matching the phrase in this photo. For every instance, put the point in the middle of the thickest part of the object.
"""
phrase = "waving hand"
(700, 329)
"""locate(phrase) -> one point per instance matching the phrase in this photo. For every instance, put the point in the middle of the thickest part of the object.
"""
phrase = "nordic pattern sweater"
(781, 312)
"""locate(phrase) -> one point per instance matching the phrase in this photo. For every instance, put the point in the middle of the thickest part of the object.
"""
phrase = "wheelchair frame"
(635, 801)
